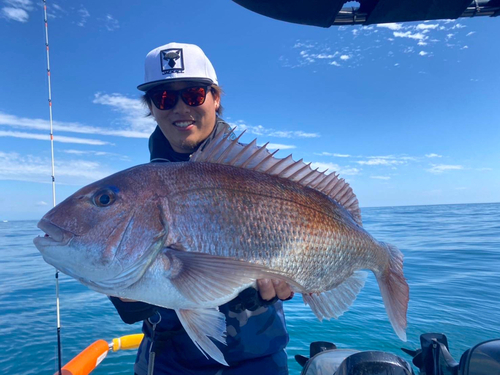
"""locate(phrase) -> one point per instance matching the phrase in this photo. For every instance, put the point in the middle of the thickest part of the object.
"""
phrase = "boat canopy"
(326, 13)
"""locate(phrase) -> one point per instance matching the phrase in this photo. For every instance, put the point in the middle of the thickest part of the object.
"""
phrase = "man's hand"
(271, 288)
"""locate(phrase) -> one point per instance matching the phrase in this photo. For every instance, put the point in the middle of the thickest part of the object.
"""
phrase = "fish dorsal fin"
(223, 150)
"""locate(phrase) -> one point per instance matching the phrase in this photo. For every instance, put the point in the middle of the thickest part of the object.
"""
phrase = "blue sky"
(407, 113)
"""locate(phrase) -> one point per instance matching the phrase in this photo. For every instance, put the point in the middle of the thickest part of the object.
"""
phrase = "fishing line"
(59, 359)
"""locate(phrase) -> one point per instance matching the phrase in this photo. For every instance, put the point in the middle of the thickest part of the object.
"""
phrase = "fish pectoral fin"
(333, 303)
(203, 277)
(202, 323)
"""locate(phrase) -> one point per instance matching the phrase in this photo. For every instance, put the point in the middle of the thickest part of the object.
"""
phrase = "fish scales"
(250, 216)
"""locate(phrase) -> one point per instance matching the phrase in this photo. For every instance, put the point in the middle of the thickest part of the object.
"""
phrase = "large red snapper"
(190, 236)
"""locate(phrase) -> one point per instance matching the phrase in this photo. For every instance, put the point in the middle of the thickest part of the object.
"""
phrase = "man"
(183, 96)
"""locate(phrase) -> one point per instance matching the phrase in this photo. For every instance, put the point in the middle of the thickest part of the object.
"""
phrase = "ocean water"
(452, 263)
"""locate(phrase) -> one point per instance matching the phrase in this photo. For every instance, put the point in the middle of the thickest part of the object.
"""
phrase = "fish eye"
(104, 198)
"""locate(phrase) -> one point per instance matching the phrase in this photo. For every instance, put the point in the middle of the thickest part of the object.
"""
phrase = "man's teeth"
(183, 124)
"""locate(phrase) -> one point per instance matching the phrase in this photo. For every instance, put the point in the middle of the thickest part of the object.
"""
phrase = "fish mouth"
(54, 235)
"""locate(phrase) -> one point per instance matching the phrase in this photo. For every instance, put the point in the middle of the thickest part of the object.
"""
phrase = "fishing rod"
(59, 356)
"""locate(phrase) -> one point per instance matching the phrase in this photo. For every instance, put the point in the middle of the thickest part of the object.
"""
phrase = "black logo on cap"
(172, 61)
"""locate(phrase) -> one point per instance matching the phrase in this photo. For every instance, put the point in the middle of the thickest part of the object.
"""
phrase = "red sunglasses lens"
(194, 96)
(164, 99)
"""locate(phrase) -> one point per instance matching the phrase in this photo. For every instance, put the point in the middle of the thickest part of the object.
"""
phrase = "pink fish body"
(190, 236)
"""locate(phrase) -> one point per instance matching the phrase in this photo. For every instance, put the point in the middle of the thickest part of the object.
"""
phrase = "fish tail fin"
(394, 289)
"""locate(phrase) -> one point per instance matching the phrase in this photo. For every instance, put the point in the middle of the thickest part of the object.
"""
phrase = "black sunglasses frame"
(178, 93)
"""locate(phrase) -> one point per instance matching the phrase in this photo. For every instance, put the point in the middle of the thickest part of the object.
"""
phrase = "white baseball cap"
(177, 62)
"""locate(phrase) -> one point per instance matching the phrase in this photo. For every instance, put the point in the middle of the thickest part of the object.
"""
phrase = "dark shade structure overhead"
(326, 13)
(416, 10)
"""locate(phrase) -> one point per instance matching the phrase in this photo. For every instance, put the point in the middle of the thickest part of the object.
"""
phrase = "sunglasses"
(167, 99)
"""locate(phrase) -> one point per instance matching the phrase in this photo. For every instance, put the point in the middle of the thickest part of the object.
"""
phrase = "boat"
(432, 358)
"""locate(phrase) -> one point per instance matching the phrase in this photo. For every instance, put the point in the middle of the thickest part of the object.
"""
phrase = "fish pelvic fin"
(395, 290)
(225, 150)
(333, 303)
(203, 277)
(202, 324)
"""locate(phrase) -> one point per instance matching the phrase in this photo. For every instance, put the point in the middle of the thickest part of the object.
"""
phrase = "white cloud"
(41, 204)
(306, 56)
(23, 4)
(349, 47)
(432, 155)
(15, 14)
(260, 130)
(14, 166)
(391, 26)
(349, 171)
(133, 111)
(408, 34)
(470, 33)
(84, 15)
(381, 160)
(380, 177)
(335, 155)
(97, 153)
(303, 45)
(54, 10)
(278, 146)
(111, 23)
(57, 138)
(139, 126)
(291, 134)
(425, 26)
(324, 56)
(423, 53)
(408, 158)
(331, 167)
(440, 168)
